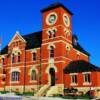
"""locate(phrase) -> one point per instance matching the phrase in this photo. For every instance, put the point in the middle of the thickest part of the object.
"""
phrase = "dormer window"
(75, 39)
(75, 42)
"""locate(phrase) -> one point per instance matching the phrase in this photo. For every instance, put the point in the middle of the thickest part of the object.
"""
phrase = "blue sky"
(25, 16)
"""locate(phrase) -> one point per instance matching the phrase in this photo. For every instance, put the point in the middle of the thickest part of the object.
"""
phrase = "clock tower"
(56, 39)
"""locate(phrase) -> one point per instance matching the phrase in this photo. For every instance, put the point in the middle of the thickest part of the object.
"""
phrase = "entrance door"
(52, 75)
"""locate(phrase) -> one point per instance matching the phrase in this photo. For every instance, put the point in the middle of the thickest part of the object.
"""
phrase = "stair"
(42, 90)
(52, 91)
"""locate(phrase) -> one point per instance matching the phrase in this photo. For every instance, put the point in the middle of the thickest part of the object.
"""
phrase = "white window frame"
(31, 76)
(86, 81)
(15, 76)
(73, 82)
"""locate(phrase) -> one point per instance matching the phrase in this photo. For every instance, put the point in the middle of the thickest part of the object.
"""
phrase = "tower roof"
(55, 5)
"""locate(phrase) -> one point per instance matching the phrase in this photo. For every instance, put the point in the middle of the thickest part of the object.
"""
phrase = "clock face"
(66, 20)
(51, 18)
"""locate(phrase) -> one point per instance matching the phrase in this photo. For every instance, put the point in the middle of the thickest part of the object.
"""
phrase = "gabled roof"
(33, 40)
(19, 37)
(80, 66)
(56, 5)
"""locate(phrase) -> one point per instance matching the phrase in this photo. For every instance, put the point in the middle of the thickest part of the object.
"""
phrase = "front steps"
(52, 91)
(42, 90)
(48, 90)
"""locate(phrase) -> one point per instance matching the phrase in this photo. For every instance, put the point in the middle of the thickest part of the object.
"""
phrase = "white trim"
(14, 69)
(51, 66)
(13, 82)
(56, 42)
(65, 39)
(20, 37)
(87, 83)
(67, 32)
(73, 73)
(48, 16)
(68, 47)
(33, 68)
(86, 72)
(33, 50)
(73, 84)
(51, 44)
(84, 81)
(68, 20)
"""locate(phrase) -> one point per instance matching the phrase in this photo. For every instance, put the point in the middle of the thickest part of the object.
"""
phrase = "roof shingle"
(80, 66)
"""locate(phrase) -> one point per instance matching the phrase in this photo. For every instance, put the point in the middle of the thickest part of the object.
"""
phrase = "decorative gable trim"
(20, 37)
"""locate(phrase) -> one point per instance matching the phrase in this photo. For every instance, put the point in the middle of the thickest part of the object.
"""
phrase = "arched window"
(50, 34)
(15, 76)
(33, 75)
(34, 56)
(12, 58)
(18, 56)
(54, 32)
(51, 51)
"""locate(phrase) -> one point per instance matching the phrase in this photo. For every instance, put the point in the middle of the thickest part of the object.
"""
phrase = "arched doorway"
(52, 76)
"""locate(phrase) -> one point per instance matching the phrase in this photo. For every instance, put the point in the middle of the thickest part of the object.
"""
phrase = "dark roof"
(77, 46)
(33, 40)
(4, 50)
(56, 5)
(80, 66)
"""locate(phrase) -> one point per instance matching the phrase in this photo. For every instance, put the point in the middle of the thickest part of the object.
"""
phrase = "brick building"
(52, 58)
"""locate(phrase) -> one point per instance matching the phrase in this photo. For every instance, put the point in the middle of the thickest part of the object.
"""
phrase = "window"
(18, 57)
(51, 52)
(50, 34)
(87, 78)
(33, 75)
(3, 61)
(54, 33)
(74, 79)
(15, 76)
(17, 43)
(34, 56)
(12, 58)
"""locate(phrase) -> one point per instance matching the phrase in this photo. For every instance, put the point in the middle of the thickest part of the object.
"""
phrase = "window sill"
(33, 81)
(87, 83)
(14, 82)
(73, 84)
